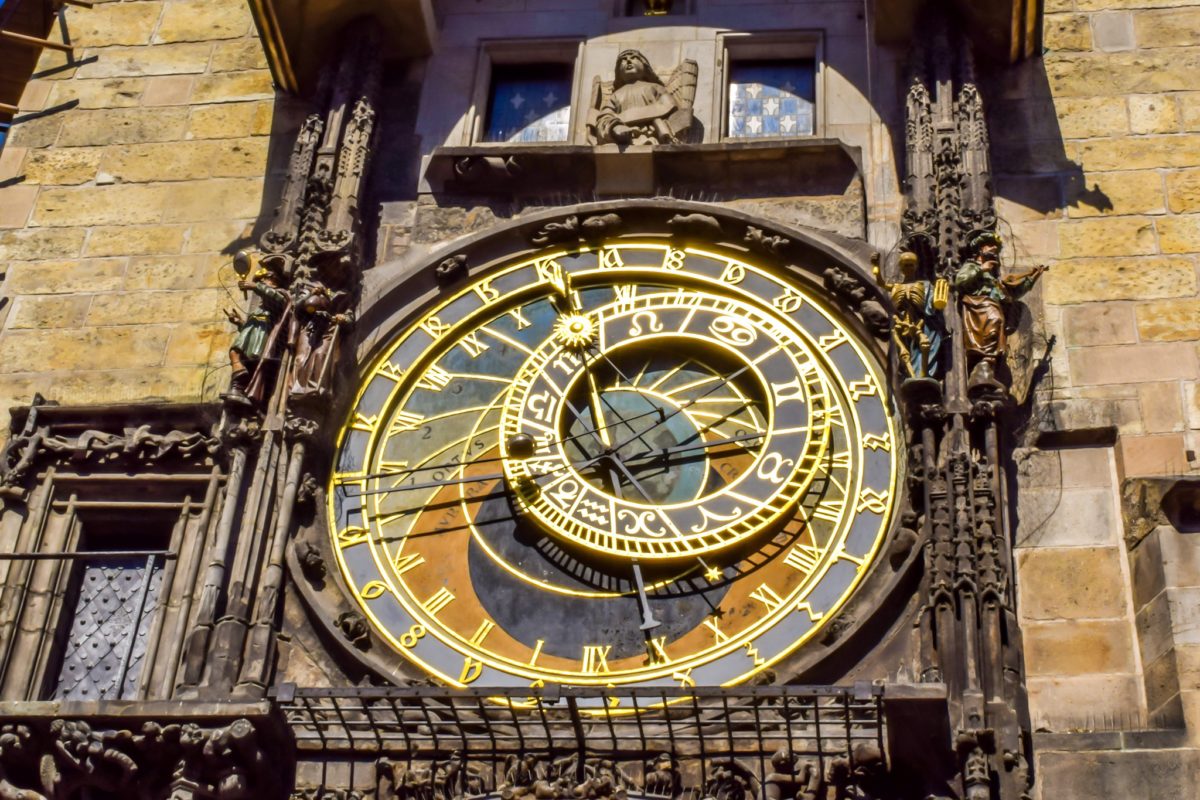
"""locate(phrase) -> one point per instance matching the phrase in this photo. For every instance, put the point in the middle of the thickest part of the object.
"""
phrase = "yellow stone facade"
(129, 179)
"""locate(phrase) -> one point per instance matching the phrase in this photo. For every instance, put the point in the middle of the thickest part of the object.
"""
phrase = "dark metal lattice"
(706, 729)
(106, 643)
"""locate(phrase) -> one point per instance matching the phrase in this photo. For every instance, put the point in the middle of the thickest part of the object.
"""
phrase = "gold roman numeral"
(767, 596)
(595, 658)
(440, 599)
(482, 632)
(434, 379)
(803, 557)
(405, 421)
(403, 563)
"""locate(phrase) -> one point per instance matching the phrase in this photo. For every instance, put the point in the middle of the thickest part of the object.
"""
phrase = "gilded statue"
(917, 327)
(985, 296)
(638, 107)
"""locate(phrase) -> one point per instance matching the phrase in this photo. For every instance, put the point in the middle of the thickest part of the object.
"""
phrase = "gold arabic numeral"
(673, 259)
(551, 272)
(434, 379)
(829, 510)
(610, 258)
(402, 563)
(405, 421)
(352, 535)
(434, 327)
(566, 362)
(656, 649)
(364, 423)
(862, 388)
(472, 669)
(768, 597)
(537, 651)
(595, 658)
(684, 676)
(752, 653)
(440, 599)
(719, 636)
(734, 273)
(473, 345)
(829, 342)
(413, 635)
(789, 301)
(539, 405)
(873, 501)
(482, 632)
(372, 590)
(875, 442)
(485, 291)
(803, 557)
(389, 370)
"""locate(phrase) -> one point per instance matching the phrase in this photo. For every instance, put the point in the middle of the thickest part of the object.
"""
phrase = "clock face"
(627, 465)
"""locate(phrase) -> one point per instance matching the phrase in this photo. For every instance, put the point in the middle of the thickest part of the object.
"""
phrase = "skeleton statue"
(638, 108)
(917, 328)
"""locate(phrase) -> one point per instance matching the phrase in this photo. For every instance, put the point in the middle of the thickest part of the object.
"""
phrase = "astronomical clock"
(620, 463)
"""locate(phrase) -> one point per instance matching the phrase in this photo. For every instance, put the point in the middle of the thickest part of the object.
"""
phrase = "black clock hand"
(577, 465)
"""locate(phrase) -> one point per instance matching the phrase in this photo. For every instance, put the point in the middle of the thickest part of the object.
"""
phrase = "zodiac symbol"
(652, 323)
(772, 464)
(639, 523)
(733, 331)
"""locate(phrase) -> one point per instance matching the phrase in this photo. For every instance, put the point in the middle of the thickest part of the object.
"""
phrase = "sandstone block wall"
(128, 179)
(1097, 150)
(1098, 146)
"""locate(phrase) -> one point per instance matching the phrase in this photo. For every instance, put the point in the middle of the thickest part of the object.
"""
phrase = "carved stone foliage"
(639, 107)
(304, 291)
(69, 758)
(792, 777)
(41, 441)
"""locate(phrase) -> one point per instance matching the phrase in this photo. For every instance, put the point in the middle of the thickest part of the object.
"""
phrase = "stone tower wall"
(128, 180)
(1097, 154)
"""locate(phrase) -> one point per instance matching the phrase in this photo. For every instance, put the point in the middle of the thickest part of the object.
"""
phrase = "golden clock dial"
(629, 465)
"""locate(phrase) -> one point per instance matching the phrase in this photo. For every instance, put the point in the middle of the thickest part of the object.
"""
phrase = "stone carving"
(702, 226)
(756, 237)
(572, 229)
(793, 778)
(450, 270)
(354, 627)
(140, 445)
(662, 776)
(729, 781)
(256, 340)
(985, 296)
(638, 108)
(917, 328)
(473, 169)
(69, 758)
(858, 299)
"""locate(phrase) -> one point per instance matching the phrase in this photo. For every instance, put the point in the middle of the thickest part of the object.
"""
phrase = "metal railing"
(754, 734)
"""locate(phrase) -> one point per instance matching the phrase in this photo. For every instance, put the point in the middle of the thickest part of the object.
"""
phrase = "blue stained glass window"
(771, 98)
(529, 103)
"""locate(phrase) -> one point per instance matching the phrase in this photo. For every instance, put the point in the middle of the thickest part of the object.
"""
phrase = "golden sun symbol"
(574, 331)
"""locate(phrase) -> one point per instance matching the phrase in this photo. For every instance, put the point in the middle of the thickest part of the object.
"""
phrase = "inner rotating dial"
(689, 422)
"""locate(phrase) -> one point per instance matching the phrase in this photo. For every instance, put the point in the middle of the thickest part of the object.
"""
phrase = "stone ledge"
(1164, 739)
(799, 166)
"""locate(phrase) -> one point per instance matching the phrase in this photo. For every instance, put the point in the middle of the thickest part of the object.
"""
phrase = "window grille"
(106, 643)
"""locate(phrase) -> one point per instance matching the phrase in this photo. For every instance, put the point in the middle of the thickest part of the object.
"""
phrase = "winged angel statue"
(638, 108)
